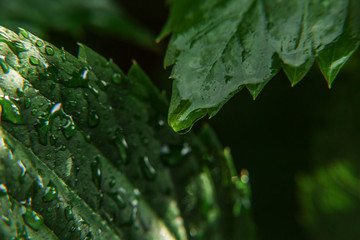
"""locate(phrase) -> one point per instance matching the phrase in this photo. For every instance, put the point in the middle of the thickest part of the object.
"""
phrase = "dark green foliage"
(219, 47)
(74, 17)
(86, 154)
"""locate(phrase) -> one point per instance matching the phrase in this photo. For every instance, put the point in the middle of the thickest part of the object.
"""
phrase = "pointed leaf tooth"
(255, 89)
(332, 58)
(296, 73)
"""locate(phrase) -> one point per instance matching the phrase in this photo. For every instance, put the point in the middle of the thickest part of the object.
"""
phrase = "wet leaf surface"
(93, 158)
(219, 47)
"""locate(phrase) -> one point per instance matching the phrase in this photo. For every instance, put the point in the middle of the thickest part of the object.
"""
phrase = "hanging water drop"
(33, 219)
(148, 169)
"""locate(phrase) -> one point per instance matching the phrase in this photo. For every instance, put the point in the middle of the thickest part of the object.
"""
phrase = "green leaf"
(219, 47)
(94, 159)
(329, 198)
(75, 17)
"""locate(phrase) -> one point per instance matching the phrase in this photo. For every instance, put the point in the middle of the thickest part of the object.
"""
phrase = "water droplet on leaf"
(148, 169)
(96, 171)
(116, 78)
(39, 43)
(4, 65)
(34, 61)
(49, 50)
(117, 198)
(93, 119)
(23, 172)
(50, 193)
(33, 219)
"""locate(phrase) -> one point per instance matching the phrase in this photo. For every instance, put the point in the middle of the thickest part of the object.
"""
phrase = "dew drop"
(148, 169)
(19, 92)
(34, 61)
(23, 33)
(21, 177)
(69, 129)
(33, 219)
(112, 181)
(27, 102)
(136, 192)
(63, 54)
(4, 65)
(96, 171)
(39, 43)
(50, 193)
(3, 190)
(49, 50)
(93, 90)
(116, 78)
(43, 127)
(93, 119)
(161, 123)
(118, 199)
(10, 111)
(52, 139)
(68, 213)
(102, 84)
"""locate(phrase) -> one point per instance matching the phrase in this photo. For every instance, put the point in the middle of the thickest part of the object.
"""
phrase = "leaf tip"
(134, 62)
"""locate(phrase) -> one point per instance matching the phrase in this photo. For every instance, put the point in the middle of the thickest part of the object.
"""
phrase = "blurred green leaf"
(218, 47)
(94, 159)
(330, 200)
(74, 17)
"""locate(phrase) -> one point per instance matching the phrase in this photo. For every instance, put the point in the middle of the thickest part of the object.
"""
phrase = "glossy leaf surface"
(219, 47)
(86, 154)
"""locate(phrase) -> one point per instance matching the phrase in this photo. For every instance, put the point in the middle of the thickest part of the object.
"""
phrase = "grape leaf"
(86, 154)
(219, 47)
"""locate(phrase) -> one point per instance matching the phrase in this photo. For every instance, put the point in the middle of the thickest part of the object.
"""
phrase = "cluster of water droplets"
(44, 124)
